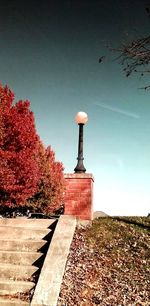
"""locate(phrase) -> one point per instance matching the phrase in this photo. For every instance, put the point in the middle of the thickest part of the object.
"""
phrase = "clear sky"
(49, 53)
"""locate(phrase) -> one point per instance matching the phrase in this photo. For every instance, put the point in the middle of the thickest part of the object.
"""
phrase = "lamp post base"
(80, 167)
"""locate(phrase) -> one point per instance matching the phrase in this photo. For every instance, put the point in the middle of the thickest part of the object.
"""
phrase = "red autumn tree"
(19, 170)
(49, 196)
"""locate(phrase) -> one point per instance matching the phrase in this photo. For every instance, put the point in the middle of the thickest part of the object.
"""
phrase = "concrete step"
(9, 271)
(8, 232)
(12, 302)
(21, 240)
(50, 279)
(19, 258)
(24, 222)
(21, 245)
(12, 287)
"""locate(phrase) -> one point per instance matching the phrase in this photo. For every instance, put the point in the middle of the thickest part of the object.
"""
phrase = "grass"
(109, 264)
(118, 232)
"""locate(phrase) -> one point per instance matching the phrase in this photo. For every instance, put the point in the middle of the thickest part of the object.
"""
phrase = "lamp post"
(81, 118)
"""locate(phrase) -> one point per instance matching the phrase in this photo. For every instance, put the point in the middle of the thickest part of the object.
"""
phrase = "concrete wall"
(79, 195)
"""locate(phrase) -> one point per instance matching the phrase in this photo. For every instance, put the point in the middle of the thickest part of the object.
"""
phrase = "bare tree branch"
(146, 87)
(135, 57)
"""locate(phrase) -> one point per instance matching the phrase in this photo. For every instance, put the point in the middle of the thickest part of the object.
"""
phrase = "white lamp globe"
(81, 118)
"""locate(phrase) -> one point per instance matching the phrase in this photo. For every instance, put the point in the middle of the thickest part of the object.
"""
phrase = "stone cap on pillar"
(79, 175)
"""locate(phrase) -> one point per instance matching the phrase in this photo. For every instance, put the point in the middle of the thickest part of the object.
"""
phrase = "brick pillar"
(79, 195)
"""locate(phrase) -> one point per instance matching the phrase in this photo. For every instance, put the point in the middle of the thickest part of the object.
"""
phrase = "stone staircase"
(23, 246)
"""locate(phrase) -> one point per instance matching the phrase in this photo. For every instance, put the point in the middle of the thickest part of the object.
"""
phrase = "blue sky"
(49, 55)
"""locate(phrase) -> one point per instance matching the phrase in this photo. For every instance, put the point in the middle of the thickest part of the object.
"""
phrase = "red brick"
(79, 195)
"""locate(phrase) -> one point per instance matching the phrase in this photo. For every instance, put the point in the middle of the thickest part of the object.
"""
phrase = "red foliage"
(19, 171)
(29, 174)
(49, 196)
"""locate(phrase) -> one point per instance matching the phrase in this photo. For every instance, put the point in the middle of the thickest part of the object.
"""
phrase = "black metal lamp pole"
(80, 167)
(81, 118)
